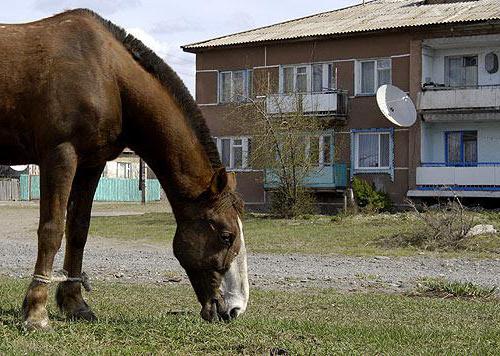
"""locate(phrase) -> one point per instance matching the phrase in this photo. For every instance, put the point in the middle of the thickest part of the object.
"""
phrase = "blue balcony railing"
(460, 164)
(325, 177)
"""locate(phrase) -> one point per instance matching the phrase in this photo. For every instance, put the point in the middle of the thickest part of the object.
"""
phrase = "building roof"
(375, 15)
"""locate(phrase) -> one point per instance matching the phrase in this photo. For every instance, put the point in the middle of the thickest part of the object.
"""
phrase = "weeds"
(437, 287)
(444, 227)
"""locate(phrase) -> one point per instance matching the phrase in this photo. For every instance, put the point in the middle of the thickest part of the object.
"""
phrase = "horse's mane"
(152, 63)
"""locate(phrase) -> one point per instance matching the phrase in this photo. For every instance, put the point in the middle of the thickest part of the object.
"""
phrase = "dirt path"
(108, 259)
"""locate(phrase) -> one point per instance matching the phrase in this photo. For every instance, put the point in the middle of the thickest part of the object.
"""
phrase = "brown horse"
(75, 90)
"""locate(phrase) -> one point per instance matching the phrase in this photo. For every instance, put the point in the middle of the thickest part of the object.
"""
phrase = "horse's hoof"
(37, 325)
(83, 314)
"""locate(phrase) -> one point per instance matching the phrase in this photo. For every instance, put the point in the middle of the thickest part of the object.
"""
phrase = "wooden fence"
(9, 190)
(109, 189)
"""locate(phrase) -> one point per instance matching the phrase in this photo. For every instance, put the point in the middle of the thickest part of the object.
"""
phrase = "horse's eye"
(227, 238)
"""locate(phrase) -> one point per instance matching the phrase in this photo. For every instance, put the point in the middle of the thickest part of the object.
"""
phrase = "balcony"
(481, 175)
(319, 104)
(321, 178)
(480, 98)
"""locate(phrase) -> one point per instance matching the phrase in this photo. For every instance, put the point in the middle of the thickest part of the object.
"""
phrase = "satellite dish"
(396, 105)
(19, 168)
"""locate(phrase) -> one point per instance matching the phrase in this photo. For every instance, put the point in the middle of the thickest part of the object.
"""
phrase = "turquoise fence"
(109, 189)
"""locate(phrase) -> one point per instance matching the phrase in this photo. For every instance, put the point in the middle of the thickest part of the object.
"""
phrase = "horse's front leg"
(69, 294)
(57, 171)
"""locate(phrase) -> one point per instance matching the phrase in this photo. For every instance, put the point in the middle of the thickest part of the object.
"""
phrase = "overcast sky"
(164, 25)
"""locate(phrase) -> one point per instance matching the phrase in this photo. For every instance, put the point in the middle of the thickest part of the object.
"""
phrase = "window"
(461, 71)
(372, 74)
(124, 170)
(235, 86)
(234, 151)
(461, 148)
(295, 79)
(372, 150)
(319, 149)
(316, 77)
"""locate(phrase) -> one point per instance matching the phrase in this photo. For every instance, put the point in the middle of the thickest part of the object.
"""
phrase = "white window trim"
(356, 151)
(309, 72)
(127, 171)
(358, 83)
(246, 85)
(245, 164)
(321, 159)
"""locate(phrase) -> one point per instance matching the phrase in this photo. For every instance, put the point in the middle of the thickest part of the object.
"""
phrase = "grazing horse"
(75, 90)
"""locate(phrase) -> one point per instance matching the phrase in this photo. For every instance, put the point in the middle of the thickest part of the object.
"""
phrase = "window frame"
(355, 168)
(245, 161)
(462, 162)
(127, 170)
(359, 74)
(247, 86)
(463, 78)
(321, 148)
(328, 82)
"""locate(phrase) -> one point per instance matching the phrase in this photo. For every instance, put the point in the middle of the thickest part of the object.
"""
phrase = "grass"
(454, 289)
(350, 235)
(311, 322)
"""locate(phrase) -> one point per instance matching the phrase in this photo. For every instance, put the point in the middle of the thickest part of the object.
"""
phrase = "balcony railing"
(321, 104)
(442, 98)
(325, 177)
(486, 174)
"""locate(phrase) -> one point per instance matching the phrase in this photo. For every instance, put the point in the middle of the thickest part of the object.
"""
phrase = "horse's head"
(210, 246)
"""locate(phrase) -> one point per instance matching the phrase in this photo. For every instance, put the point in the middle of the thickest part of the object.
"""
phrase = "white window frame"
(247, 86)
(245, 164)
(462, 57)
(309, 72)
(359, 76)
(127, 170)
(321, 143)
(356, 151)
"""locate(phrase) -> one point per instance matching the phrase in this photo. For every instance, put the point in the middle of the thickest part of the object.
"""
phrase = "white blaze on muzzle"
(234, 287)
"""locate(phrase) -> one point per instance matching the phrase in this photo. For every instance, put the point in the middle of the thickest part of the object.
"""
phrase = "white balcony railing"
(482, 97)
(334, 102)
(484, 175)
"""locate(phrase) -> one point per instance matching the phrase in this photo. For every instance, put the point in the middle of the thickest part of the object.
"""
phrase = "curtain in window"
(384, 72)
(226, 152)
(368, 150)
(301, 79)
(470, 71)
(470, 146)
(367, 77)
(454, 148)
(237, 153)
(238, 86)
(225, 82)
(454, 72)
(250, 83)
(327, 150)
(317, 78)
(384, 150)
(332, 79)
(288, 80)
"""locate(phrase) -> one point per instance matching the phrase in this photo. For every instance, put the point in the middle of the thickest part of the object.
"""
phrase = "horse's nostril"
(233, 313)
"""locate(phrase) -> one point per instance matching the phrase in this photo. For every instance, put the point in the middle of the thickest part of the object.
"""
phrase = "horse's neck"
(158, 130)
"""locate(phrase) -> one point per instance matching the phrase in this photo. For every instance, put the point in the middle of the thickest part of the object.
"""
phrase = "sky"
(165, 25)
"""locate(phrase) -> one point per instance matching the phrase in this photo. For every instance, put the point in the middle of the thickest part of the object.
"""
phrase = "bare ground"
(109, 259)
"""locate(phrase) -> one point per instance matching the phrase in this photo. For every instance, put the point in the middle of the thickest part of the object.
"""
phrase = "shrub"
(453, 289)
(368, 198)
(287, 205)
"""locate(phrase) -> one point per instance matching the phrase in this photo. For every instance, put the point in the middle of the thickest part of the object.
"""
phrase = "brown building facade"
(342, 72)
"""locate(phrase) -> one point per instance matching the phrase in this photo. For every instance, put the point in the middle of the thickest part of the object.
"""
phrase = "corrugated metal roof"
(373, 16)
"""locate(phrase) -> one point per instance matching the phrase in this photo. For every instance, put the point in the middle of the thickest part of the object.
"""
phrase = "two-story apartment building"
(444, 53)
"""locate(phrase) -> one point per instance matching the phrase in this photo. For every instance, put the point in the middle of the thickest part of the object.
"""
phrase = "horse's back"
(56, 79)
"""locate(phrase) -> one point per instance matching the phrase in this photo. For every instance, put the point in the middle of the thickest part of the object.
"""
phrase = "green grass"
(453, 289)
(138, 319)
(351, 235)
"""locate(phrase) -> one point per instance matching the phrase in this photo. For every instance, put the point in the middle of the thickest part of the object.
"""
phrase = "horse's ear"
(219, 181)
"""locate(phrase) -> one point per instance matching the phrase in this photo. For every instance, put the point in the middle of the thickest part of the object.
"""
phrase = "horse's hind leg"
(57, 171)
(69, 294)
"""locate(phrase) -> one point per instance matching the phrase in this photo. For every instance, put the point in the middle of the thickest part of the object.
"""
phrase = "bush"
(444, 227)
(286, 205)
(368, 198)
